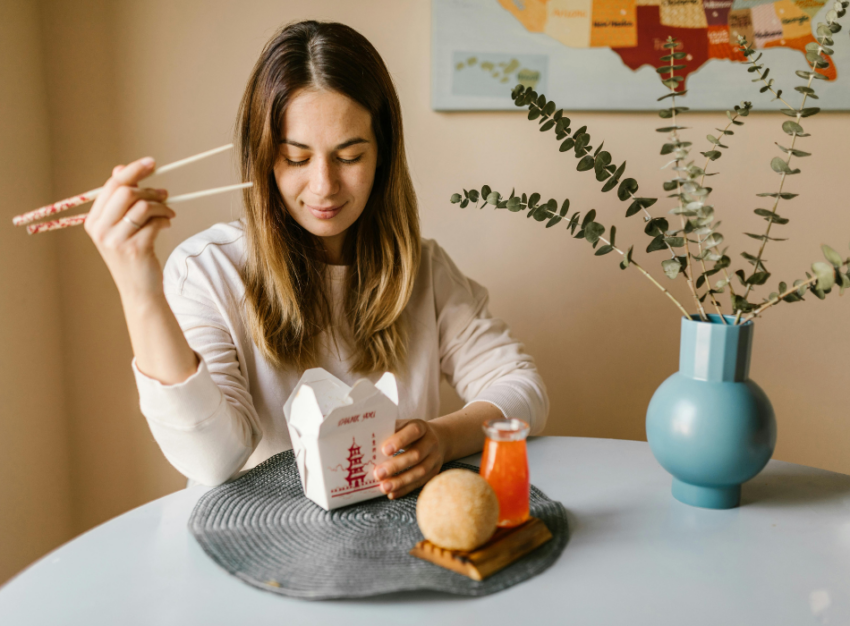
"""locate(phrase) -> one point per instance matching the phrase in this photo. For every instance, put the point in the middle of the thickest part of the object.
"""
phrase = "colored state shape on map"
(795, 22)
(810, 7)
(683, 13)
(831, 73)
(720, 44)
(766, 25)
(613, 24)
(741, 25)
(569, 21)
(652, 35)
(717, 12)
(531, 13)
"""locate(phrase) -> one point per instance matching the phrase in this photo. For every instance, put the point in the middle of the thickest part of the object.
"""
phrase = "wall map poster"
(602, 54)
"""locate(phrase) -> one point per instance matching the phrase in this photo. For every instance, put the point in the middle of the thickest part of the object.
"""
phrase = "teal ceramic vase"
(709, 425)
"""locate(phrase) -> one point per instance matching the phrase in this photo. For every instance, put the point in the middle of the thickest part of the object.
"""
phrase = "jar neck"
(714, 351)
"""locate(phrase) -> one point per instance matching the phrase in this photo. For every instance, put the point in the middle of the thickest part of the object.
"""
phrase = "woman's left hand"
(423, 456)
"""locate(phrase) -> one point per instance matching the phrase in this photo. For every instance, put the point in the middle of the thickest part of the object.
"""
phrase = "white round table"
(636, 556)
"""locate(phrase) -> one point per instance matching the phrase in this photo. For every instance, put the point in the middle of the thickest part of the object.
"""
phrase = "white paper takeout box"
(337, 432)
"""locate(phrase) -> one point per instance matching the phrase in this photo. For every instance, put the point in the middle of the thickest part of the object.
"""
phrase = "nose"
(323, 181)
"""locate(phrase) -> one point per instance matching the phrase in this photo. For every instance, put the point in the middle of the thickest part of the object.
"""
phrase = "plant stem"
(702, 261)
(649, 276)
(687, 275)
(777, 299)
(781, 185)
(669, 247)
(774, 92)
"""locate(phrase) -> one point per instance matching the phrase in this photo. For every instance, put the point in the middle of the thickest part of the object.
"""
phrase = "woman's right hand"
(124, 223)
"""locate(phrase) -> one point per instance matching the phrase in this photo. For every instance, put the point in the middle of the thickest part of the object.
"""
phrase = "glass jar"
(504, 464)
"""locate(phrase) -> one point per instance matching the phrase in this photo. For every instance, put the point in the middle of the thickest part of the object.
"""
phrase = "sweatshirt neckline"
(336, 272)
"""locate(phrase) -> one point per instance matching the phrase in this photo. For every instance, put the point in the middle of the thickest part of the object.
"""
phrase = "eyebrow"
(343, 145)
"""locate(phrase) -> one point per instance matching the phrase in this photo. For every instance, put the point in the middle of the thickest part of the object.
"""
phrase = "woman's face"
(326, 165)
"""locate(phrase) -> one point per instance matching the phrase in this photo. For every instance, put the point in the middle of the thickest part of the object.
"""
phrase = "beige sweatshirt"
(228, 416)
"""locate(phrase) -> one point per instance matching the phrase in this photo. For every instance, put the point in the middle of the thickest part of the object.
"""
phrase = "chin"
(325, 228)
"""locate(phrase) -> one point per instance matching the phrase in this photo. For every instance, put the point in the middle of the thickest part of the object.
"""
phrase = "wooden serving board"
(506, 546)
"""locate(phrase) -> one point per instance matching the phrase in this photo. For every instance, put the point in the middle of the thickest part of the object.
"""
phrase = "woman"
(326, 269)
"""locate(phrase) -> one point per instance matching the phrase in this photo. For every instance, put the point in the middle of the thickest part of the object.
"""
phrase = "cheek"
(287, 182)
(361, 180)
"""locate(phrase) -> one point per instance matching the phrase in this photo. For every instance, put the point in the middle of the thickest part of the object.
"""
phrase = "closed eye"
(304, 162)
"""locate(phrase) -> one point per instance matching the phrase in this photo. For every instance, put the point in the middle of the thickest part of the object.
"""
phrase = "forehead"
(323, 119)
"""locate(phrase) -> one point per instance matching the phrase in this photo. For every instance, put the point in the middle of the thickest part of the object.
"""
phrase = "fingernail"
(385, 487)
(148, 161)
(389, 450)
(380, 473)
(163, 193)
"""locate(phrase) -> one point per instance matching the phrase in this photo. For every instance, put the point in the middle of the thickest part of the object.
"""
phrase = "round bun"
(457, 510)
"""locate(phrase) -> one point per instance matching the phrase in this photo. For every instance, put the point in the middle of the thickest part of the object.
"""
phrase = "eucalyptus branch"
(826, 276)
(589, 229)
(672, 83)
(795, 290)
(712, 155)
(601, 163)
(816, 61)
(762, 77)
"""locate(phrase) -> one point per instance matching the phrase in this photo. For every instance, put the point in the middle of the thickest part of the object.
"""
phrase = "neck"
(333, 248)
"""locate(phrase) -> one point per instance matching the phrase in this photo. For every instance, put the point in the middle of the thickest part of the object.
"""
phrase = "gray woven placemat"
(262, 529)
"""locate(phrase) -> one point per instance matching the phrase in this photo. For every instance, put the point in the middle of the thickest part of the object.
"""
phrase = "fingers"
(412, 468)
(124, 201)
(404, 437)
(145, 237)
(129, 175)
(142, 214)
(143, 210)
(397, 464)
(415, 477)
(135, 172)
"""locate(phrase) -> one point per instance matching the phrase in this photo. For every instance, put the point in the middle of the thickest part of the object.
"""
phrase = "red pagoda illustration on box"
(331, 426)
(356, 473)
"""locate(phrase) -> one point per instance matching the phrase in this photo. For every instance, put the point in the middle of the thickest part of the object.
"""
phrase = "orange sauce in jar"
(504, 464)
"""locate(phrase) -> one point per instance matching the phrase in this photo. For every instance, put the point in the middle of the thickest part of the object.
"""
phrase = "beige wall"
(164, 78)
(35, 500)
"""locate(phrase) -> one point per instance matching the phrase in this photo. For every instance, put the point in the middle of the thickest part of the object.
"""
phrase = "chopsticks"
(65, 222)
(74, 201)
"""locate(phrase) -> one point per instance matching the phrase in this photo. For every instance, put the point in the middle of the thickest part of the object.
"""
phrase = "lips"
(324, 213)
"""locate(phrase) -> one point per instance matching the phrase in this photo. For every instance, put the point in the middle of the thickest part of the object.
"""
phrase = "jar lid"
(510, 429)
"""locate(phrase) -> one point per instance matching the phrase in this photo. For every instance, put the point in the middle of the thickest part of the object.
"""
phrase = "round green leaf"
(831, 255)
(792, 128)
(627, 188)
(671, 267)
(586, 163)
(826, 275)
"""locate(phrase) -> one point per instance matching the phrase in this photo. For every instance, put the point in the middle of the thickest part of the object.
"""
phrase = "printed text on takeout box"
(355, 419)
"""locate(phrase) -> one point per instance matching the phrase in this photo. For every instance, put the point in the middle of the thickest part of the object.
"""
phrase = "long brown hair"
(285, 300)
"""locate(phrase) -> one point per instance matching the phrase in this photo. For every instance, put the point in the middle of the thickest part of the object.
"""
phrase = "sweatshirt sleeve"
(206, 426)
(478, 355)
